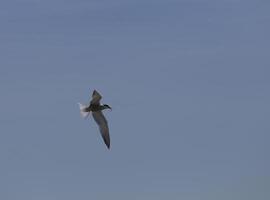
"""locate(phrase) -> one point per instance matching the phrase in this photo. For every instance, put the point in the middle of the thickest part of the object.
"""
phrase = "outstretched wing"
(103, 126)
(95, 98)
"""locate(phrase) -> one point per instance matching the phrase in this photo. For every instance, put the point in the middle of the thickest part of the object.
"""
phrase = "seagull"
(98, 116)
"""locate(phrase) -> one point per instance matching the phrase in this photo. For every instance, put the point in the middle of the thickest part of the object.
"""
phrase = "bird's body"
(96, 108)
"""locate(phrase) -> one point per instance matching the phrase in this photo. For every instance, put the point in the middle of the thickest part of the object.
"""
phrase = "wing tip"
(107, 144)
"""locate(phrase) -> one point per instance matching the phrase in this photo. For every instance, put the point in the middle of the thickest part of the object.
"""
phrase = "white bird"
(98, 116)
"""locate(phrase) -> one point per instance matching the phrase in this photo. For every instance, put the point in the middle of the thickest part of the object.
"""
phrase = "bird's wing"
(103, 126)
(95, 98)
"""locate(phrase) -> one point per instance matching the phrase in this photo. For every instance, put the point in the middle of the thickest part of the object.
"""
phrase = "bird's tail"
(84, 114)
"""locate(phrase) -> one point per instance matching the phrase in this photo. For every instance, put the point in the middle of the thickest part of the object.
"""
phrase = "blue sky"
(188, 82)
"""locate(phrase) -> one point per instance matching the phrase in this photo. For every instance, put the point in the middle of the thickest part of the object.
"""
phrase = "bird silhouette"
(96, 108)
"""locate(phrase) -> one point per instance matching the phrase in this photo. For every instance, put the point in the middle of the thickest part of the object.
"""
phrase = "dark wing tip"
(106, 136)
(106, 139)
(107, 143)
(95, 92)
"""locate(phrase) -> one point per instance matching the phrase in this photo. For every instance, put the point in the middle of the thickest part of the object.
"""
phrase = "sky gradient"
(188, 81)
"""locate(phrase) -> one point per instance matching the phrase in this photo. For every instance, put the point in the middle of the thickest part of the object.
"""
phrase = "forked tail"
(84, 114)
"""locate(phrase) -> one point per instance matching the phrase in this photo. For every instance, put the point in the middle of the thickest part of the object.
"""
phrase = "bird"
(96, 108)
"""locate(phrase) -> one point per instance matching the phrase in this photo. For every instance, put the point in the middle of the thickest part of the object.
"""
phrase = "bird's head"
(106, 106)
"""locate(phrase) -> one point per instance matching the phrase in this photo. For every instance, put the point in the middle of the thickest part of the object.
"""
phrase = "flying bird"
(96, 108)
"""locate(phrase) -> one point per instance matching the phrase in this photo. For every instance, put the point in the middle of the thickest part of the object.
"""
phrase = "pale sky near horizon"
(188, 81)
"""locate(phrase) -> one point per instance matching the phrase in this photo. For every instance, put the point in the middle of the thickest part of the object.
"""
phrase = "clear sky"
(188, 81)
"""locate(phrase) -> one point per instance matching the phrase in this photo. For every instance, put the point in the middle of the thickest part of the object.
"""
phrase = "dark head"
(105, 106)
